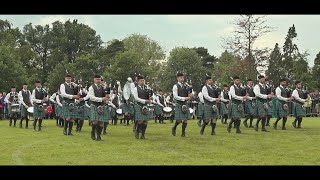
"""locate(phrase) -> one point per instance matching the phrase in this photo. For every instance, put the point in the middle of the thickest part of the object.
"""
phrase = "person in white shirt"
(181, 96)
(211, 97)
(282, 104)
(299, 110)
(81, 109)
(25, 100)
(55, 99)
(236, 106)
(225, 99)
(250, 104)
(200, 108)
(161, 103)
(260, 90)
(142, 115)
(12, 99)
(39, 96)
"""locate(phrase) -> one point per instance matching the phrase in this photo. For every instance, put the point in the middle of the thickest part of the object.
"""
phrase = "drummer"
(12, 100)
(25, 100)
(161, 103)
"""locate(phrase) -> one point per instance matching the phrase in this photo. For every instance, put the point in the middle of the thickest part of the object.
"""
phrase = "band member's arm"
(233, 94)
(21, 99)
(206, 95)
(86, 103)
(136, 97)
(257, 92)
(295, 94)
(6, 99)
(34, 97)
(278, 94)
(175, 94)
(87, 97)
(52, 98)
(58, 101)
(168, 99)
(30, 98)
(63, 92)
(165, 103)
(158, 101)
(111, 104)
(92, 96)
(222, 97)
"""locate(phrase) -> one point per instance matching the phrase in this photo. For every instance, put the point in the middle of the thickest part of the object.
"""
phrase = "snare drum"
(30, 113)
(119, 114)
(15, 108)
(167, 111)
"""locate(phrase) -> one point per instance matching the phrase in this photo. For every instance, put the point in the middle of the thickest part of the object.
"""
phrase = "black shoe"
(104, 133)
(250, 126)
(136, 133)
(256, 128)
(213, 133)
(39, 129)
(183, 135)
(229, 129)
(20, 125)
(265, 130)
(268, 124)
(93, 137)
(77, 130)
(294, 125)
(245, 124)
(238, 131)
(142, 137)
(173, 131)
(284, 128)
(299, 127)
(98, 138)
(70, 133)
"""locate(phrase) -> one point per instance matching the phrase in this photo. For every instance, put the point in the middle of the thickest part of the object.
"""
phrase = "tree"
(187, 61)
(248, 29)
(316, 70)
(275, 70)
(206, 59)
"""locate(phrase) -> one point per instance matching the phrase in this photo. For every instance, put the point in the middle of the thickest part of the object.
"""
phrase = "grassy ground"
(51, 147)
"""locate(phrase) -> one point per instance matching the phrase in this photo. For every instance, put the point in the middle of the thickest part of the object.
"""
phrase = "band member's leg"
(27, 122)
(225, 119)
(213, 126)
(199, 123)
(99, 127)
(294, 123)
(256, 127)
(66, 123)
(184, 126)
(245, 121)
(80, 125)
(251, 121)
(77, 123)
(203, 126)
(276, 123)
(299, 122)
(15, 116)
(115, 120)
(263, 122)
(21, 120)
(230, 125)
(70, 128)
(40, 123)
(10, 120)
(93, 130)
(174, 128)
(284, 123)
(144, 127)
(57, 123)
(35, 123)
(138, 128)
(105, 125)
(238, 123)
(268, 120)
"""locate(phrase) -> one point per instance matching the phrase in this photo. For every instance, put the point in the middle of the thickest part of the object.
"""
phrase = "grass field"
(51, 147)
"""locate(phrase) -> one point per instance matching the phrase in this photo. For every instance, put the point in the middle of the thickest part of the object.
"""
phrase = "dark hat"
(38, 81)
(97, 76)
(235, 77)
(225, 85)
(179, 74)
(13, 87)
(282, 79)
(67, 75)
(25, 83)
(261, 76)
(249, 80)
(140, 77)
(208, 76)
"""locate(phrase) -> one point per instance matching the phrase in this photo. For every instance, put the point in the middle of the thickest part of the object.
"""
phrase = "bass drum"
(126, 91)
(30, 113)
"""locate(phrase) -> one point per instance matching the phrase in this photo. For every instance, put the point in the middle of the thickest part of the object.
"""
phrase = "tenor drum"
(119, 114)
(15, 108)
(30, 113)
(167, 111)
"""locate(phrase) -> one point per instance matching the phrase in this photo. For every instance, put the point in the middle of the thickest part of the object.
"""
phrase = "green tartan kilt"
(88, 112)
(113, 112)
(105, 116)
(127, 108)
(234, 112)
(250, 109)
(298, 110)
(179, 115)
(209, 113)
(280, 111)
(260, 110)
(138, 116)
(58, 110)
(38, 114)
(65, 113)
(81, 113)
(159, 110)
(270, 109)
(223, 108)
(23, 111)
(200, 111)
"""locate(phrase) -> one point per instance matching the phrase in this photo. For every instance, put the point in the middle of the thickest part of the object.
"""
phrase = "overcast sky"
(188, 30)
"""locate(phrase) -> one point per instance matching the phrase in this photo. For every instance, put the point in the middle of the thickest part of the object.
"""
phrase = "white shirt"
(92, 96)
(233, 94)
(132, 86)
(257, 92)
(136, 97)
(63, 91)
(278, 94)
(222, 97)
(53, 96)
(175, 93)
(159, 103)
(21, 97)
(206, 95)
(87, 98)
(200, 95)
(295, 94)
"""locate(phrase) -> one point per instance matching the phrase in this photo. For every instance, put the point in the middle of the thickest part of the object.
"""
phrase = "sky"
(172, 31)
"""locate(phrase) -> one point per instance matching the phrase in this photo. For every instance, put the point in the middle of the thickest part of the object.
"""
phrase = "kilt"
(158, 110)
(127, 108)
(138, 116)
(113, 112)
(65, 113)
(250, 109)
(209, 113)
(280, 111)
(233, 111)
(88, 112)
(58, 110)
(82, 114)
(298, 110)
(260, 110)
(200, 111)
(270, 108)
(23, 111)
(94, 116)
(38, 114)
(223, 108)
(179, 115)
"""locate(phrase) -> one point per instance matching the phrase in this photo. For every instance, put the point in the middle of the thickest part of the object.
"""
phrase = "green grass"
(51, 147)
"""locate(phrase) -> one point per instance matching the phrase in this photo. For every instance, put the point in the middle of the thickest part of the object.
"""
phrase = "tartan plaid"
(65, 113)
(105, 116)
(200, 111)
(280, 111)
(209, 113)
(223, 108)
(138, 114)
(113, 112)
(233, 111)
(38, 114)
(260, 110)
(270, 108)
(88, 112)
(82, 114)
(127, 108)
(179, 115)
(250, 109)
(23, 111)
(158, 110)
(298, 110)
(58, 110)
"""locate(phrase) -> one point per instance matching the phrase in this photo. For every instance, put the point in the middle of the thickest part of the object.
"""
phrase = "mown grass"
(51, 147)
